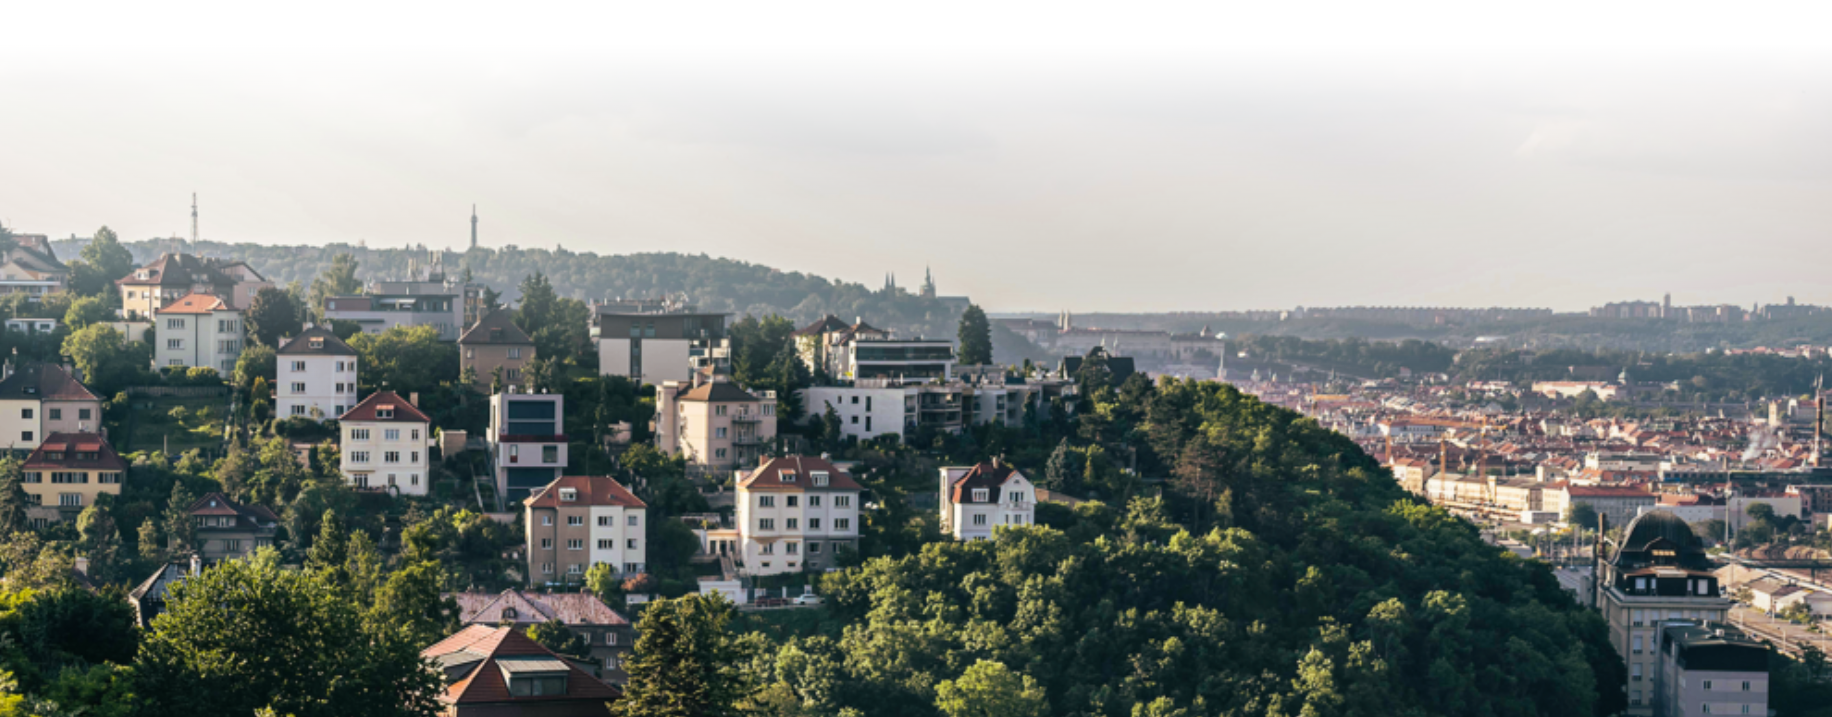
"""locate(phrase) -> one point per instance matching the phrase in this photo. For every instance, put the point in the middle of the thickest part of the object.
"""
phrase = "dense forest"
(735, 287)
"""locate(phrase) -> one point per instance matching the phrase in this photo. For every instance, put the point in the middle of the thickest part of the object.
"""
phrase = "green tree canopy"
(975, 337)
(686, 662)
(274, 313)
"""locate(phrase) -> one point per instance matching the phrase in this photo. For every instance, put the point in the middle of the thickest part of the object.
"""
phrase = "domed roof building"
(1657, 572)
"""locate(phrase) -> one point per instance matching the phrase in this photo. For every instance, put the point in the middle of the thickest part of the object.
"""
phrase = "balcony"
(747, 440)
(747, 418)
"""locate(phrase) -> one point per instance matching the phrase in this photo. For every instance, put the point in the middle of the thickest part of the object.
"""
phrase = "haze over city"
(1327, 155)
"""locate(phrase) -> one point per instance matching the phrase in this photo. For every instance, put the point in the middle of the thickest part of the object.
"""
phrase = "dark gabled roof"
(718, 392)
(214, 503)
(327, 344)
(770, 476)
(497, 327)
(593, 490)
(185, 270)
(45, 382)
(40, 259)
(71, 445)
(404, 412)
(984, 475)
(501, 649)
(824, 325)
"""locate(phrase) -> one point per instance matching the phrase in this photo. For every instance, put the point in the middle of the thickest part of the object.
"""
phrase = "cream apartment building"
(795, 513)
(385, 444)
(576, 522)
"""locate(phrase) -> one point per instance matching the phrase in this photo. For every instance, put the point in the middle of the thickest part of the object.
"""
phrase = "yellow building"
(67, 472)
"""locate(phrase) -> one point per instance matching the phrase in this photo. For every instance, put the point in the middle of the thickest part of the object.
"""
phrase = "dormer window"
(820, 478)
(384, 412)
(569, 495)
(509, 613)
(317, 342)
(980, 495)
(788, 476)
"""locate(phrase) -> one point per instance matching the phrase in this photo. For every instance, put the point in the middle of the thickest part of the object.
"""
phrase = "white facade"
(619, 538)
(795, 514)
(865, 412)
(977, 499)
(385, 444)
(661, 359)
(209, 339)
(304, 383)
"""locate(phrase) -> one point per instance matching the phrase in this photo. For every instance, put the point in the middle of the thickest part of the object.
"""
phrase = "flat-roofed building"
(1709, 669)
(527, 439)
(652, 343)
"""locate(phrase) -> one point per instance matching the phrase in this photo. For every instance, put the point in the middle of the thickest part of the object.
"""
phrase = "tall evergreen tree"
(13, 500)
(975, 337)
(686, 662)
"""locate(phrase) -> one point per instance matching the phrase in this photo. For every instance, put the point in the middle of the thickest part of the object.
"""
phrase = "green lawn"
(153, 424)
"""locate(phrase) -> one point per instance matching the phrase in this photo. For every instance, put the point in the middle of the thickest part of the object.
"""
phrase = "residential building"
(794, 514)
(653, 342)
(859, 351)
(148, 598)
(32, 326)
(1620, 503)
(494, 344)
(1659, 571)
(199, 330)
(527, 439)
(315, 376)
(172, 277)
(385, 442)
(31, 267)
(716, 425)
(66, 473)
(494, 671)
(378, 312)
(975, 499)
(1709, 668)
(576, 522)
(610, 634)
(871, 408)
(39, 399)
(227, 530)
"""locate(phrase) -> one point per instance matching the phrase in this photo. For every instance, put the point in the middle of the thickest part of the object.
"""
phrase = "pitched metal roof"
(316, 341)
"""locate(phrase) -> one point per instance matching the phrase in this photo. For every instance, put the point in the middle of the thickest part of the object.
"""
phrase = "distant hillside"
(713, 284)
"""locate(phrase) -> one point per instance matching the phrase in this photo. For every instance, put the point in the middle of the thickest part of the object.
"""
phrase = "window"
(384, 412)
(980, 495)
(412, 435)
(606, 544)
(814, 523)
(359, 456)
(605, 521)
(763, 501)
(550, 454)
(391, 457)
(820, 477)
(575, 520)
(70, 500)
(1746, 686)
(979, 519)
(391, 434)
(842, 524)
(1017, 497)
(34, 477)
(766, 523)
(634, 521)
(298, 367)
(232, 546)
(631, 543)
(515, 352)
(547, 568)
(547, 543)
(575, 568)
(791, 501)
(1637, 647)
(718, 410)
(1707, 685)
(546, 520)
(814, 501)
(788, 476)
(228, 326)
(569, 495)
(610, 638)
(174, 323)
(413, 456)
(57, 414)
(25, 413)
(791, 549)
(791, 523)
(855, 400)
(575, 544)
(719, 432)
(83, 414)
(855, 420)
(842, 501)
(1635, 673)
(413, 479)
(359, 434)
(814, 547)
(766, 549)
(718, 453)
(298, 387)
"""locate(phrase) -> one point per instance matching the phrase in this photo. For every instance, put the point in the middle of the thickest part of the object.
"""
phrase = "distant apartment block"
(715, 425)
(654, 342)
(527, 439)
(172, 277)
(315, 376)
(198, 331)
(795, 513)
(385, 445)
(576, 522)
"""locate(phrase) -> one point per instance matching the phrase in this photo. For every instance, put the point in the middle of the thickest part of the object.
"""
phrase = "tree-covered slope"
(1309, 584)
(712, 284)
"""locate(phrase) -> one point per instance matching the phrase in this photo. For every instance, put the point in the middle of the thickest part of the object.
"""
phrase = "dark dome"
(1656, 525)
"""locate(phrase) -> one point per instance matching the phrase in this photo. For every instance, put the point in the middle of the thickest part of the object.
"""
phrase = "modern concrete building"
(172, 277)
(716, 425)
(494, 344)
(527, 439)
(376, 313)
(576, 522)
(198, 331)
(385, 446)
(976, 499)
(39, 399)
(1658, 572)
(794, 514)
(1709, 669)
(67, 472)
(876, 407)
(651, 342)
(315, 376)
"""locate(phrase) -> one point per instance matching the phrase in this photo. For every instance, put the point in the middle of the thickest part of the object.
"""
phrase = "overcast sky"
(1129, 156)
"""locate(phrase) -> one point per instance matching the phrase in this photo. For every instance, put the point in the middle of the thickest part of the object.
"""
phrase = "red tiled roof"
(984, 475)
(593, 490)
(45, 382)
(770, 476)
(71, 444)
(1580, 491)
(194, 304)
(484, 682)
(404, 412)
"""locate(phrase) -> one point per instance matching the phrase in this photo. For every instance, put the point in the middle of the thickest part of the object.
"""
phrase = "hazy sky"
(1124, 156)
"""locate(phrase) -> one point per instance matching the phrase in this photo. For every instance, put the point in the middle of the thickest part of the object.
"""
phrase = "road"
(1786, 636)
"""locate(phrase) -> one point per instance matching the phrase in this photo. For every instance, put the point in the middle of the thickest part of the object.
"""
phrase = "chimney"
(82, 565)
(413, 399)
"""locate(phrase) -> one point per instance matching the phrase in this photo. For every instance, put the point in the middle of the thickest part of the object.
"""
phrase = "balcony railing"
(747, 440)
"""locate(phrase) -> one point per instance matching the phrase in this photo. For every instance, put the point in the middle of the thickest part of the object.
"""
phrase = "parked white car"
(809, 599)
